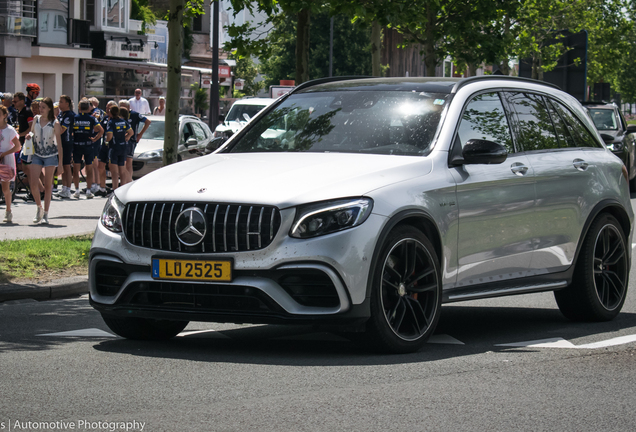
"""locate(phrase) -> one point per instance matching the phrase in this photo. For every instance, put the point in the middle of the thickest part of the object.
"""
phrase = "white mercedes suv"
(364, 205)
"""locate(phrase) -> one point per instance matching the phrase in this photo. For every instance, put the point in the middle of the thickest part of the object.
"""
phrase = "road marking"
(444, 339)
(562, 343)
(89, 332)
(213, 332)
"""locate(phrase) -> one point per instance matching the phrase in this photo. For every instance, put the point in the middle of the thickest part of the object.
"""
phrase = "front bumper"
(320, 279)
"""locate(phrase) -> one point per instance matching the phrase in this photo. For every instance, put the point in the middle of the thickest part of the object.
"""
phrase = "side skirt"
(551, 282)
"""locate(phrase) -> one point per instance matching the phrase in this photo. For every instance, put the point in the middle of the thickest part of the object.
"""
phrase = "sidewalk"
(66, 217)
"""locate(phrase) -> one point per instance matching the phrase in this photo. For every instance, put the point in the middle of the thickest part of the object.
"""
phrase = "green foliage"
(31, 258)
(140, 10)
(201, 98)
(246, 70)
(351, 48)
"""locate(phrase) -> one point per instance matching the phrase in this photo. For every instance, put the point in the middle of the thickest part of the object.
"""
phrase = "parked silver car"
(365, 204)
(194, 136)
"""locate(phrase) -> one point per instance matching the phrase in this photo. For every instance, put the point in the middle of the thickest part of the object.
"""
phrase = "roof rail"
(470, 80)
(327, 80)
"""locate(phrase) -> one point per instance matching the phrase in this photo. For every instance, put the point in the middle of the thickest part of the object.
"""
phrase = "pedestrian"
(35, 107)
(99, 115)
(9, 144)
(7, 101)
(48, 151)
(33, 91)
(139, 103)
(24, 121)
(103, 152)
(161, 109)
(84, 126)
(118, 133)
(56, 109)
(134, 119)
(66, 118)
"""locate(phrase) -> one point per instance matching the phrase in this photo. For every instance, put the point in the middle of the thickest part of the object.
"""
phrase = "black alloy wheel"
(599, 286)
(610, 267)
(406, 301)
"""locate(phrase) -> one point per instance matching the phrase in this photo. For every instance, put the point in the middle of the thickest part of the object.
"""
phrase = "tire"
(143, 328)
(601, 275)
(406, 293)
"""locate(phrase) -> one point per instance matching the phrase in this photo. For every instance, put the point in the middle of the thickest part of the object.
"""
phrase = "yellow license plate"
(195, 270)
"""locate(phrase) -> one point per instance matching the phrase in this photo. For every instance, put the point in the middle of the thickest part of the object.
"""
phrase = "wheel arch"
(416, 218)
(613, 208)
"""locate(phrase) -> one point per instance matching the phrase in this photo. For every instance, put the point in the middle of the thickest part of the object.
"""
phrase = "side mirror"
(246, 116)
(215, 143)
(483, 152)
(191, 142)
(631, 128)
(607, 138)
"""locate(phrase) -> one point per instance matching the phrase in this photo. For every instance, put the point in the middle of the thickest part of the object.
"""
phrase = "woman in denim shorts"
(46, 134)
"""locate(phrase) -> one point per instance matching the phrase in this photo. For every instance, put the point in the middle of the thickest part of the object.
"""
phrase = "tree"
(351, 50)
(178, 10)
(537, 30)
(301, 10)
(246, 70)
(610, 36)
(200, 98)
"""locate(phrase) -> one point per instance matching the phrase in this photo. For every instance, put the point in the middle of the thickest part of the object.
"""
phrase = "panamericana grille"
(230, 227)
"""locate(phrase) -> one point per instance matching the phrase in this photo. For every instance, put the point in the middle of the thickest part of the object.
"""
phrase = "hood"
(145, 145)
(280, 179)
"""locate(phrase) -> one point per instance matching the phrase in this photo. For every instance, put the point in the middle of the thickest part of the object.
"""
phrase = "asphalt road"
(564, 376)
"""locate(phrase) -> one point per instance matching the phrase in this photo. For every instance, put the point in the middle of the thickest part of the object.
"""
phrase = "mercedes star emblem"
(191, 226)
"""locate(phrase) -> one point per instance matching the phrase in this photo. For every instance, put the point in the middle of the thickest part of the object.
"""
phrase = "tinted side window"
(578, 130)
(186, 133)
(536, 131)
(199, 132)
(485, 118)
(565, 138)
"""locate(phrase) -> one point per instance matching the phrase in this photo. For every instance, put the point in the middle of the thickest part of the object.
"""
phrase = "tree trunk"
(472, 70)
(504, 67)
(302, 46)
(430, 59)
(173, 95)
(376, 48)
(535, 67)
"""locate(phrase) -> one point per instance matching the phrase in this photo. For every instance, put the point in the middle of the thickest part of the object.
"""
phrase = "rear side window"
(578, 130)
(565, 138)
(484, 118)
(534, 125)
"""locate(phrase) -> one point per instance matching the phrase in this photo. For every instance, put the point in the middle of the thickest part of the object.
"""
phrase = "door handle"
(519, 169)
(580, 164)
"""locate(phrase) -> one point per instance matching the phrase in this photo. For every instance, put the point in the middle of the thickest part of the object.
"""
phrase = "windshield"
(379, 122)
(238, 109)
(155, 131)
(604, 119)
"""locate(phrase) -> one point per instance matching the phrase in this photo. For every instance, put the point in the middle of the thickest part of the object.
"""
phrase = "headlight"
(152, 154)
(111, 216)
(327, 217)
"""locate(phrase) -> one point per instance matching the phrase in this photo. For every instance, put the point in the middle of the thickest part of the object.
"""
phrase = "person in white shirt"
(139, 104)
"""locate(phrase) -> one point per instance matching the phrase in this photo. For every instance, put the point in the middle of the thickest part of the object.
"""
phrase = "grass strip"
(33, 258)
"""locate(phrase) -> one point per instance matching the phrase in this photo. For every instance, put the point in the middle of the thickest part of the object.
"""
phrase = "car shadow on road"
(480, 329)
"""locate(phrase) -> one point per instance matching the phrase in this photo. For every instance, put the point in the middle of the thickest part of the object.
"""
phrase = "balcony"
(18, 26)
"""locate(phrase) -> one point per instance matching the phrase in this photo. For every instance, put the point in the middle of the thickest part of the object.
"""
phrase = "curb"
(65, 287)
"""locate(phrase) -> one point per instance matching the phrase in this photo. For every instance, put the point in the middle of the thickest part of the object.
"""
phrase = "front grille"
(200, 298)
(230, 228)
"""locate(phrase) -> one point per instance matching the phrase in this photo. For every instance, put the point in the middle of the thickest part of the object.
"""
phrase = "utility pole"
(214, 87)
(331, 48)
